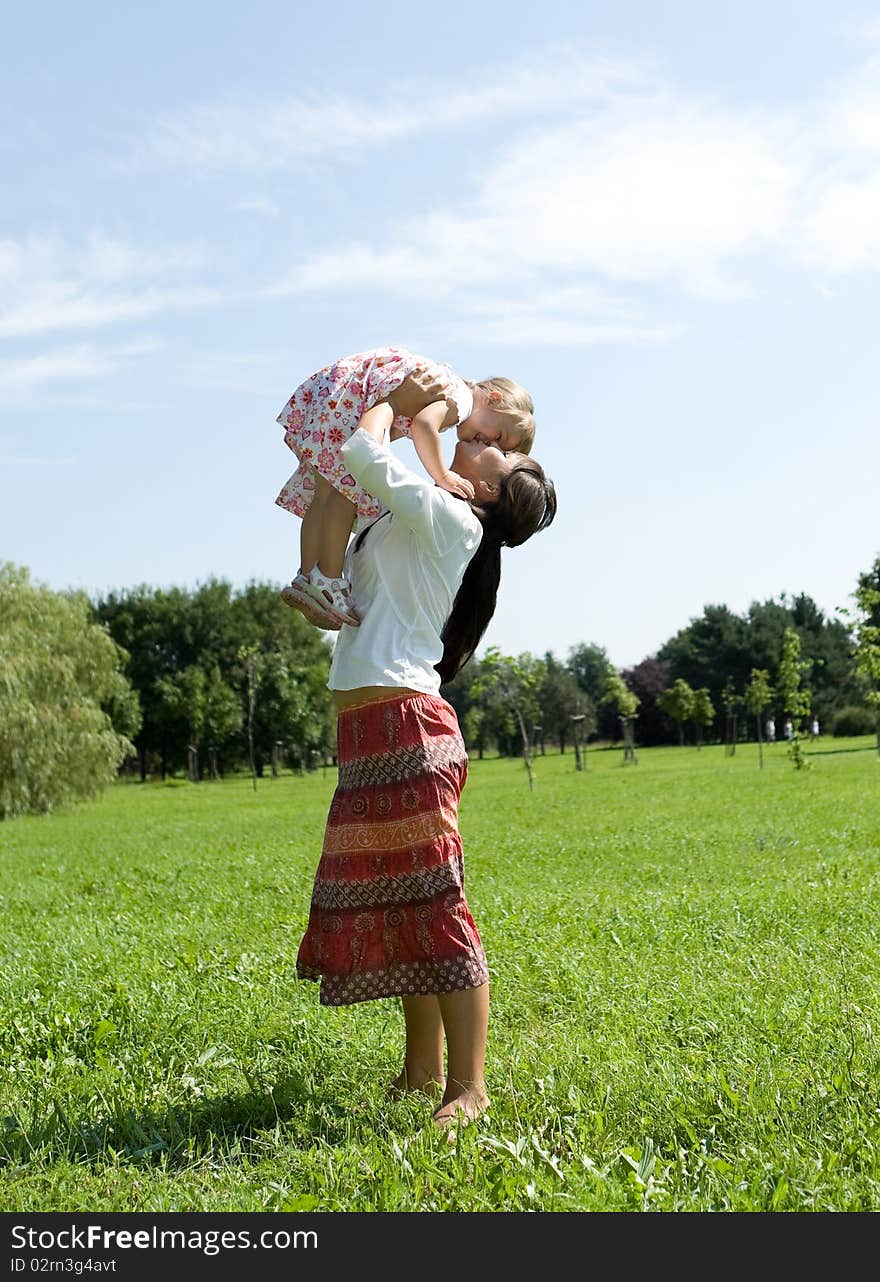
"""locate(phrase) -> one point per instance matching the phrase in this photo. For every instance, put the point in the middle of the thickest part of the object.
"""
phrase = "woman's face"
(491, 427)
(484, 466)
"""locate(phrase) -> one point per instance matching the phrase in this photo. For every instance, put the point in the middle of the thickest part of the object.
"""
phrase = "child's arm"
(425, 432)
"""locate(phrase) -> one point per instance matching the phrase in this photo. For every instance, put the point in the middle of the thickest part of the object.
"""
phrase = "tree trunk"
(252, 700)
(142, 762)
(527, 753)
(629, 752)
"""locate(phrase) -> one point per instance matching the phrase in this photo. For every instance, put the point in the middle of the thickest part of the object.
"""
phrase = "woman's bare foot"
(415, 1084)
(461, 1106)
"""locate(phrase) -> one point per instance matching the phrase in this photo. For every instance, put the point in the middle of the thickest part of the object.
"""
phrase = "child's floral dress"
(324, 411)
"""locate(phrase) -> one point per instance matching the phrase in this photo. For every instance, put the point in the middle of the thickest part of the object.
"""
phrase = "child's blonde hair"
(516, 403)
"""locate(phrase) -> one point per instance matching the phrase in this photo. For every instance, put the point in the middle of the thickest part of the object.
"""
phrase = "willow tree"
(67, 710)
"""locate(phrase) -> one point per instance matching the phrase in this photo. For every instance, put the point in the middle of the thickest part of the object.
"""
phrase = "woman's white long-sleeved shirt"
(404, 577)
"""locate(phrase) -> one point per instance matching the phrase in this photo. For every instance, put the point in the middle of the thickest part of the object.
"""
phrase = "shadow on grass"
(234, 1127)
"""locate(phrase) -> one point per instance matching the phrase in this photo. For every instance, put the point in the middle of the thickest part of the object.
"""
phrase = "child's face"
(489, 427)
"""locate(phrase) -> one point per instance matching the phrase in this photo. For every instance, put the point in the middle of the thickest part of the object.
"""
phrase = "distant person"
(788, 729)
(814, 728)
(365, 389)
(770, 730)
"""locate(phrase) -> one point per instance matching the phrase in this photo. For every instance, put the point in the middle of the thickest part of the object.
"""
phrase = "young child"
(320, 417)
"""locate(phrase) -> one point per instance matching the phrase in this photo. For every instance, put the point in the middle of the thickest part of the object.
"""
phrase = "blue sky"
(664, 220)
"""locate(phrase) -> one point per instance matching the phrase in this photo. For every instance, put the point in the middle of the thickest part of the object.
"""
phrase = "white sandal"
(295, 595)
(333, 595)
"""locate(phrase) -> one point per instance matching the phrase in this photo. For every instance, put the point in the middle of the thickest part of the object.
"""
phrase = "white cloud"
(61, 305)
(275, 133)
(64, 365)
(842, 231)
(839, 231)
(569, 317)
(48, 285)
(647, 187)
(675, 193)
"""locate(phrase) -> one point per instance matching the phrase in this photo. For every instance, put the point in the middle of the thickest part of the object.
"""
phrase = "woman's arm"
(417, 391)
(377, 420)
(434, 518)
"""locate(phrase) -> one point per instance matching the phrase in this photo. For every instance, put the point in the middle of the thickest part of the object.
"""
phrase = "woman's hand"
(456, 484)
(418, 389)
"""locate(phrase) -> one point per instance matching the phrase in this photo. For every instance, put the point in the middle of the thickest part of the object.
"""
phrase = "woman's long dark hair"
(525, 505)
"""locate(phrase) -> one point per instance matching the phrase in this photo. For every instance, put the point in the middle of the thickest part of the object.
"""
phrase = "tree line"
(717, 679)
(207, 680)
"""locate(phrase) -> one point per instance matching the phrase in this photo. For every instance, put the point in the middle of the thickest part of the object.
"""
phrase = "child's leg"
(312, 523)
(337, 518)
(466, 1021)
(423, 1062)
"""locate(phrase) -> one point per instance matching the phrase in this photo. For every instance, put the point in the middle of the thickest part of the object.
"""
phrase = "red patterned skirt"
(389, 916)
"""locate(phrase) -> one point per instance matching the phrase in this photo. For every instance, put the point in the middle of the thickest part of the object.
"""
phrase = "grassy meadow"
(685, 983)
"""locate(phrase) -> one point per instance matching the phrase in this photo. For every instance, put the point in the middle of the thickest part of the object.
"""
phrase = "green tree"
(560, 698)
(712, 650)
(757, 697)
(472, 716)
(731, 703)
(678, 703)
(207, 709)
(588, 664)
(294, 706)
(648, 679)
(703, 714)
(825, 647)
(512, 684)
(167, 631)
(795, 697)
(617, 694)
(61, 684)
(866, 638)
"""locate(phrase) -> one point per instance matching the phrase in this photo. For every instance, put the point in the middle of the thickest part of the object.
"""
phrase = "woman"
(389, 915)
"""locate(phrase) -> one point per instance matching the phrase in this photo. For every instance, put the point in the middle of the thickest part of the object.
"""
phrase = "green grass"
(685, 980)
